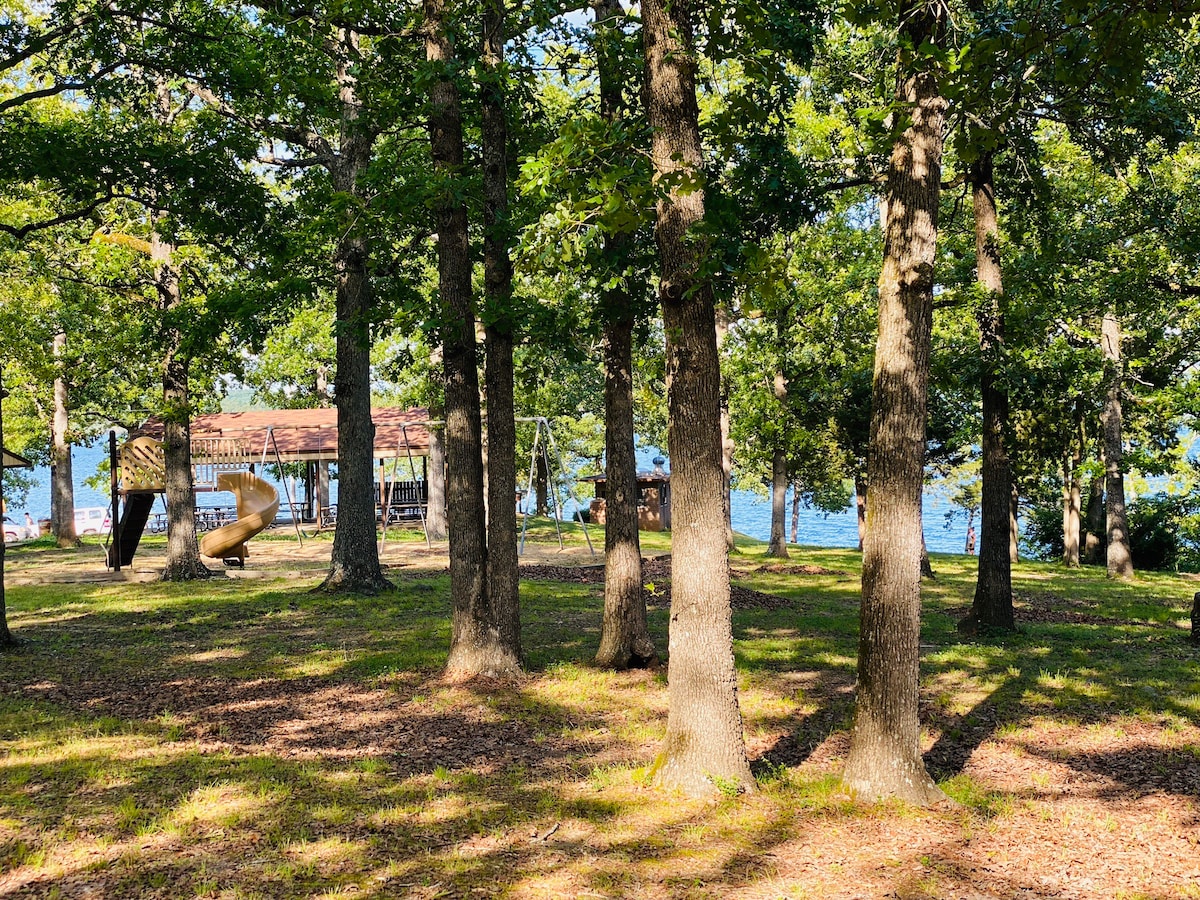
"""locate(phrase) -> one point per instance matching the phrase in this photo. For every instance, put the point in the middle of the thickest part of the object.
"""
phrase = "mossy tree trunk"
(62, 487)
(502, 573)
(992, 606)
(354, 562)
(885, 754)
(477, 646)
(624, 635)
(704, 747)
(1119, 559)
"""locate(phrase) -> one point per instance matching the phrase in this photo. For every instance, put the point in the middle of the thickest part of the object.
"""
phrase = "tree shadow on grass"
(961, 735)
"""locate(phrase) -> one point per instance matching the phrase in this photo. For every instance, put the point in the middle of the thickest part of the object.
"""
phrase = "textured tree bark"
(624, 635)
(476, 645)
(727, 450)
(502, 575)
(1120, 560)
(796, 513)
(324, 400)
(1094, 543)
(860, 503)
(62, 487)
(727, 445)
(435, 512)
(885, 755)
(1014, 527)
(183, 553)
(354, 563)
(704, 749)
(1072, 497)
(992, 606)
(777, 547)
(926, 565)
(541, 481)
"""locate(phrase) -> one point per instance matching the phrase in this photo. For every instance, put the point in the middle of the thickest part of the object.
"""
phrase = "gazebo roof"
(15, 460)
(302, 435)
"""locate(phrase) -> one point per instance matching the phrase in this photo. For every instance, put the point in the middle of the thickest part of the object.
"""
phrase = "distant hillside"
(241, 400)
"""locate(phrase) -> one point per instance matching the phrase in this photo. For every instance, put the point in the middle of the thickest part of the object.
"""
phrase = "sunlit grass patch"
(967, 791)
(332, 759)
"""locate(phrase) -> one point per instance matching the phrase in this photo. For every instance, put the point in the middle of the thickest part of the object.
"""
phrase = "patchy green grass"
(246, 738)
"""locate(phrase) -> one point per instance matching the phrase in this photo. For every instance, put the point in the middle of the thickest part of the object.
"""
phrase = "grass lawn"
(245, 738)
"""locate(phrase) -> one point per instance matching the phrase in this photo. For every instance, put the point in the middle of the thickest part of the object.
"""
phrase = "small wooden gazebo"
(654, 498)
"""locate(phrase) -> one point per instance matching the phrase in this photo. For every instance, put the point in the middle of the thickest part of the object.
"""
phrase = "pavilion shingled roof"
(306, 434)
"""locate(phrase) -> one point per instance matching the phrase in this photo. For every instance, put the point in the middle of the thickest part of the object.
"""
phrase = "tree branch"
(21, 231)
(293, 134)
(58, 88)
(43, 41)
(1174, 287)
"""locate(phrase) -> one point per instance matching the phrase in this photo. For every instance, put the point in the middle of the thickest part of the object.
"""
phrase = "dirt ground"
(1085, 811)
(273, 558)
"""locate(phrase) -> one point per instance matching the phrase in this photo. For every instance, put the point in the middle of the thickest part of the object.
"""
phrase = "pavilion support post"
(115, 527)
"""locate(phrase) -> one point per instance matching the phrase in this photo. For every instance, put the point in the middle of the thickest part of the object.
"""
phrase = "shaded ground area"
(656, 573)
(251, 740)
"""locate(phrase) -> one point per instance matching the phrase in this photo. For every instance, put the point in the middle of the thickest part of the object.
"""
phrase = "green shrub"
(1164, 533)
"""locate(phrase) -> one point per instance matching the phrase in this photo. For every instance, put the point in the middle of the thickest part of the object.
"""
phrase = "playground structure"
(139, 473)
(227, 448)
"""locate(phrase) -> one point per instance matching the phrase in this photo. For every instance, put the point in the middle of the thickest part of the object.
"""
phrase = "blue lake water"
(751, 512)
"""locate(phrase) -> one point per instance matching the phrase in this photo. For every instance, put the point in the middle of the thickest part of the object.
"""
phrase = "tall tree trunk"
(1014, 527)
(542, 483)
(796, 513)
(727, 450)
(435, 513)
(324, 401)
(1072, 498)
(885, 754)
(992, 606)
(704, 745)
(6, 636)
(1094, 544)
(624, 635)
(777, 547)
(727, 445)
(1120, 560)
(860, 504)
(476, 644)
(183, 553)
(62, 488)
(502, 575)
(435, 507)
(354, 563)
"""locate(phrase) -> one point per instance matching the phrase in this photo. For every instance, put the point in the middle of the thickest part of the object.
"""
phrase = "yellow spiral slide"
(257, 506)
